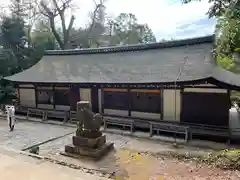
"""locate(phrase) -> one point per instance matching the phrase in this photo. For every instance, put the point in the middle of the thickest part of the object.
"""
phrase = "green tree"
(42, 36)
(14, 39)
(125, 29)
(52, 10)
(227, 31)
(219, 7)
(15, 53)
(228, 40)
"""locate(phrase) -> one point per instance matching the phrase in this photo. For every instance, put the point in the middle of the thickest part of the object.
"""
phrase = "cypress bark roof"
(184, 60)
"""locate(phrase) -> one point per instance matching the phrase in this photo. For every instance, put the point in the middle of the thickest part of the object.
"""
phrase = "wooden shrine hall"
(175, 82)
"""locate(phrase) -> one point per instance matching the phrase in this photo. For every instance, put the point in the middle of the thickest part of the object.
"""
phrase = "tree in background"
(42, 36)
(125, 29)
(16, 54)
(57, 8)
(227, 13)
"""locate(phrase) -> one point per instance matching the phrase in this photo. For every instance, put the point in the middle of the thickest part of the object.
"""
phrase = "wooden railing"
(167, 127)
(118, 122)
(187, 129)
(48, 113)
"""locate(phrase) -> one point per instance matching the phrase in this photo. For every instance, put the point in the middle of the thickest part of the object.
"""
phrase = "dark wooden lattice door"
(205, 108)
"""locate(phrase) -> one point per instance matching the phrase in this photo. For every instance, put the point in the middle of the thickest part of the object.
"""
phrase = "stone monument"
(89, 140)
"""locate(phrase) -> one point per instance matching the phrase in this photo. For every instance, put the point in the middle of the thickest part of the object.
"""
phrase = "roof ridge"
(135, 47)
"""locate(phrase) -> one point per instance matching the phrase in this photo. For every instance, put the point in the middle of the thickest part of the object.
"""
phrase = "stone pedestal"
(88, 144)
(89, 140)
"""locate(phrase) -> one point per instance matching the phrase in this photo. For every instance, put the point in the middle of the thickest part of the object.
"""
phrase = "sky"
(167, 18)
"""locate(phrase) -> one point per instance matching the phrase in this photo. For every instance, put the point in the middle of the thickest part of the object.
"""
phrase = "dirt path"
(144, 166)
(129, 164)
(15, 166)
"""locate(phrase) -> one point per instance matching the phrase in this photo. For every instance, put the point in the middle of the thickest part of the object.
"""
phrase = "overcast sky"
(167, 18)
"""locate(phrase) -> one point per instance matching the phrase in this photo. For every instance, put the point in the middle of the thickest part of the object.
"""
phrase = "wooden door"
(205, 108)
(95, 103)
(74, 98)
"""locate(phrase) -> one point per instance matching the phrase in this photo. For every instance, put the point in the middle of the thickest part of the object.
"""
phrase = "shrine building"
(177, 82)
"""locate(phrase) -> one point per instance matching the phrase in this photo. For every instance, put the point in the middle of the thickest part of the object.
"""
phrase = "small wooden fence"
(155, 127)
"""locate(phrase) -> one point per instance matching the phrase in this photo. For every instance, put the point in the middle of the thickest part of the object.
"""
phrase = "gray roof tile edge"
(136, 47)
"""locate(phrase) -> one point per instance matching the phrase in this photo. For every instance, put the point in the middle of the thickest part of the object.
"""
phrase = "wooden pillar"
(181, 102)
(53, 90)
(162, 96)
(36, 96)
(130, 101)
(71, 98)
(18, 91)
(229, 96)
(102, 99)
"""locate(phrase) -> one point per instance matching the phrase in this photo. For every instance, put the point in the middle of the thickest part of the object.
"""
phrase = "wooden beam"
(162, 97)
(145, 90)
(181, 103)
(18, 91)
(115, 90)
(54, 97)
(62, 88)
(129, 101)
(102, 100)
(36, 93)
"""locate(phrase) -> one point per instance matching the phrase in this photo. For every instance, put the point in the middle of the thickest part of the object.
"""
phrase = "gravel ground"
(27, 134)
(127, 163)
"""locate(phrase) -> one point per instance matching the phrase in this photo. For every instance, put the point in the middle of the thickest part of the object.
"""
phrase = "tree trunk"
(55, 33)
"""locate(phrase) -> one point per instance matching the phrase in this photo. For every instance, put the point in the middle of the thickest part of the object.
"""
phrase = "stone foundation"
(88, 144)
(89, 140)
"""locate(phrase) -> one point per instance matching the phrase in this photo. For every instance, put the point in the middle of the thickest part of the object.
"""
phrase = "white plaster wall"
(85, 94)
(234, 122)
(26, 85)
(27, 97)
(146, 115)
(169, 105)
(209, 85)
(207, 90)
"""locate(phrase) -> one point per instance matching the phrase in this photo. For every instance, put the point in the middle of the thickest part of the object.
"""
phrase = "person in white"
(10, 110)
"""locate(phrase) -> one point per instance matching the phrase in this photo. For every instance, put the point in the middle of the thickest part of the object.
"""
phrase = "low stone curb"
(49, 140)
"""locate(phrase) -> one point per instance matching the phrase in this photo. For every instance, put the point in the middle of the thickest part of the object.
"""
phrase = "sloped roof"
(184, 60)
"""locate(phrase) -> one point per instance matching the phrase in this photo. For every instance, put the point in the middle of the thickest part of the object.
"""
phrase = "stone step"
(80, 152)
(89, 142)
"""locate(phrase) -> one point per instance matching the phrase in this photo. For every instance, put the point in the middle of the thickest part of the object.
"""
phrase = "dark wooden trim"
(19, 96)
(102, 100)
(26, 87)
(203, 87)
(115, 90)
(35, 90)
(162, 103)
(147, 88)
(229, 96)
(223, 85)
(155, 85)
(129, 101)
(54, 97)
(181, 103)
